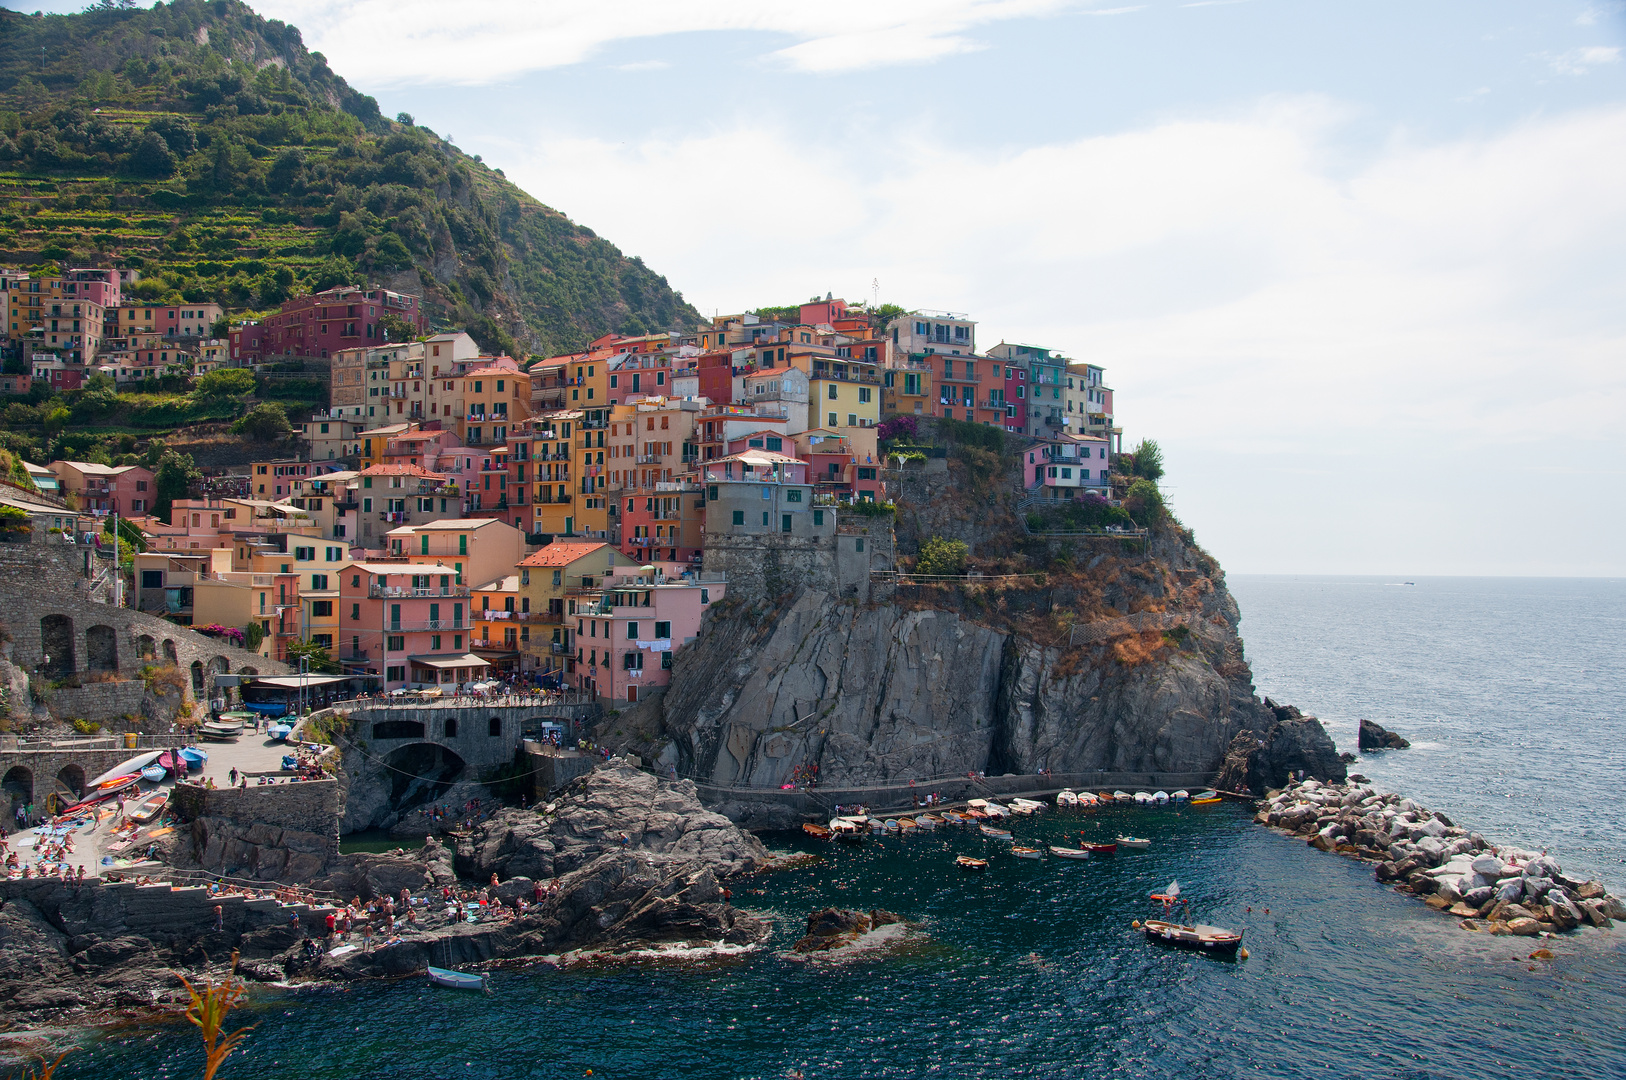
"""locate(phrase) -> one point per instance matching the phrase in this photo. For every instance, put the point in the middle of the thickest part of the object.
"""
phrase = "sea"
(1513, 696)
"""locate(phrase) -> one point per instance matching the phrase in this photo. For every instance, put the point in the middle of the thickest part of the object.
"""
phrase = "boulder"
(1590, 890)
(1510, 889)
(1478, 896)
(1562, 912)
(1524, 927)
(1594, 913)
(1537, 887)
(1373, 736)
(832, 928)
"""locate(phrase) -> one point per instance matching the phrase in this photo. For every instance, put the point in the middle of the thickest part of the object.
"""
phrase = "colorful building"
(343, 317)
(545, 580)
(410, 624)
(629, 625)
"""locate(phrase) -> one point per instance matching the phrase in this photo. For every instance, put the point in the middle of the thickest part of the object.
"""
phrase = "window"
(434, 643)
(866, 474)
(305, 554)
(632, 661)
(152, 579)
(423, 544)
(793, 495)
(319, 582)
(355, 612)
(558, 574)
(784, 523)
(395, 642)
(832, 422)
(395, 674)
(334, 554)
(739, 517)
(818, 519)
(711, 492)
(863, 395)
(632, 631)
(321, 609)
(859, 547)
(776, 444)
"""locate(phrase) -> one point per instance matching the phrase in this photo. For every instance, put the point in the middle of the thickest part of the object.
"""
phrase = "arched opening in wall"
(220, 666)
(169, 652)
(248, 671)
(451, 727)
(421, 773)
(71, 779)
(18, 788)
(56, 641)
(397, 729)
(494, 727)
(146, 647)
(102, 648)
(197, 678)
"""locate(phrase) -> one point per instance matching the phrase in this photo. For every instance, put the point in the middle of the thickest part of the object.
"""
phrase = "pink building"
(319, 325)
(628, 628)
(104, 287)
(1065, 466)
(410, 624)
(102, 489)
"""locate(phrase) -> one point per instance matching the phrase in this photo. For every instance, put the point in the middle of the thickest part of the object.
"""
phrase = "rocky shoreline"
(620, 861)
(1497, 890)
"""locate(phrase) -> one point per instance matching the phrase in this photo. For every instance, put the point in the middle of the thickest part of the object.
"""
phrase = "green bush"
(225, 383)
(1144, 503)
(942, 556)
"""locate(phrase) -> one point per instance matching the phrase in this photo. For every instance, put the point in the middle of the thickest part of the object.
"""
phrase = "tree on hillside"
(266, 422)
(1144, 503)
(173, 479)
(1148, 461)
(225, 383)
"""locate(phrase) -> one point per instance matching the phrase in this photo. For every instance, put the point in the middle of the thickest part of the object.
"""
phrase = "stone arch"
(197, 678)
(398, 729)
(102, 648)
(219, 666)
(18, 787)
(169, 652)
(71, 778)
(251, 672)
(494, 726)
(421, 772)
(56, 640)
(451, 727)
(146, 647)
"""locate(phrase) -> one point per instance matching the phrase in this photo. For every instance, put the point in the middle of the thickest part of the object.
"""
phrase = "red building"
(323, 323)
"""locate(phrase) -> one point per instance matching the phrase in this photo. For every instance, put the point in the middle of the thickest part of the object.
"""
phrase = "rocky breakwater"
(622, 861)
(833, 928)
(1502, 890)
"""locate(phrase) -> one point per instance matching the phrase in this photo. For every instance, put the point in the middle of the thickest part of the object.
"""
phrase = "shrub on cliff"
(1144, 503)
(941, 556)
(1148, 461)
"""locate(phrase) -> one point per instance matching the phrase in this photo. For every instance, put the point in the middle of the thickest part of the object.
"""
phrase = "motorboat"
(848, 830)
(1133, 842)
(1068, 852)
(148, 808)
(1027, 852)
(1100, 849)
(1215, 940)
(1066, 799)
(818, 832)
(1124, 795)
(975, 866)
(995, 810)
(220, 730)
(993, 833)
(154, 773)
(1160, 797)
(953, 817)
(1143, 798)
(456, 980)
(1089, 799)
(1026, 806)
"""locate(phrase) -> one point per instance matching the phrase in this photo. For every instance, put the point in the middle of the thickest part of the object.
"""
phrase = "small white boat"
(930, 821)
(995, 810)
(1088, 798)
(1182, 795)
(1068, 852)
(1027, 853)
(1143, 798)
(877, 826)
(847, 829)
(891, 825)
(1160, 797)
(1026, 806)
(1124, 795)
(993, 833)
(1066, 798)
(1133, 842)
(456, 980)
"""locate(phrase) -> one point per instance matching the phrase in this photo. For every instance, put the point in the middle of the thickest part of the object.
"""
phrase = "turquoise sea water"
(1032, 970)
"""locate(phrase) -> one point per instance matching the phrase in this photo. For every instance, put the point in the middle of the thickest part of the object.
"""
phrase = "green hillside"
(210, 149)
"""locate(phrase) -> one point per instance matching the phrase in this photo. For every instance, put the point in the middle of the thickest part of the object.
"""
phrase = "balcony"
(842, 376)
(651, 459)
(999, 405)
(961, 378)
(405, 592)
(427, 624)
(553, 499)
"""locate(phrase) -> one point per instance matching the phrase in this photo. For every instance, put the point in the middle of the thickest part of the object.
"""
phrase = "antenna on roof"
(875, 293)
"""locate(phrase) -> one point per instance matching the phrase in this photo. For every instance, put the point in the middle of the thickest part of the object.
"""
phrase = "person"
(220, 917)
(366, 936)
(332, 921)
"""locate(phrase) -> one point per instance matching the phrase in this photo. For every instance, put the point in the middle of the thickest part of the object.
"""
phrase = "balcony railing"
(845, 376)
(961, 378)
(550, 499)
(651, 459)
(405, 627)
(404, 592)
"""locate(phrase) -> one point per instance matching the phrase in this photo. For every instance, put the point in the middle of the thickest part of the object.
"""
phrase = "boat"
(112, 787)
(848, 830)
(1206, 802)
(908, 824)
(1100, 849)
(1066, 798)
(1182, 795)
(148, 808)
(891, 825)
(1026, 806)
(954, 817)
(930, 821)
(1068, 852)
(279, 732)
(995, 810)
(1124, 795)
(456, 980)
(132, 767)
(971, 813)
(1143, 798)
(1215, 940)
(154, 773)
(993, 833)
(876, 825)
(976, 866)
(1133, 842)
(1090, 798)
(173, 762)
(1027, 852)
(1160, 797)
(220, 730)
(193, 756)
(819, 832)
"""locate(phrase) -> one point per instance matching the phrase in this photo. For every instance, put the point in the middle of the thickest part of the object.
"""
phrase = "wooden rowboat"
(1209, 939)
(1027, 852)
(930, 821)
(154, 773)
(1133, 842)
(818, 831)
(1068, 852)
(993, 833)
(148, 808)
(1206, 800)
(456, 980)
(975, 866)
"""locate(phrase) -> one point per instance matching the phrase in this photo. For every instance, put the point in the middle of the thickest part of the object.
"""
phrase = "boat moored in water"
(1066, 798)
(976, 866)
(993, 833)
(1027, 852)
(456, 980)
(1100, 849)
(1026, 806)
(1197, 937)
(1068, 852)
(1133, 842)
(818, 832)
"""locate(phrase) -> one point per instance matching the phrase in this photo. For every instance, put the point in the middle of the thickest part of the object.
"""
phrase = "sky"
(1359, 268)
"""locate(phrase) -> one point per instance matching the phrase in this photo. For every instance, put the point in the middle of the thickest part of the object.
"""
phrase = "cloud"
(1581, 61)
(1444, 316)
(380, 43)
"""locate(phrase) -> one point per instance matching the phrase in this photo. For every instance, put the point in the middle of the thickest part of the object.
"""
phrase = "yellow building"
(494, 396)
(499, 624)
(547, 581)
(553, 507)
(843, 394)
(906, 389)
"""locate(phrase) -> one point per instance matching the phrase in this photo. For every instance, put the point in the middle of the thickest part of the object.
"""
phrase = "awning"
(444, 662)
(498, 654)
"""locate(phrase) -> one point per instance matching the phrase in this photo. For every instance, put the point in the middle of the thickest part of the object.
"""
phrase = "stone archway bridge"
(30, 771)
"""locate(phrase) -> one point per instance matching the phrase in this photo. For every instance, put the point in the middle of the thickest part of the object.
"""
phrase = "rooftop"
(562, 553)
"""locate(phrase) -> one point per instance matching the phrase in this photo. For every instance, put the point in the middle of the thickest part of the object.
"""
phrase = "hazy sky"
(1359, 267)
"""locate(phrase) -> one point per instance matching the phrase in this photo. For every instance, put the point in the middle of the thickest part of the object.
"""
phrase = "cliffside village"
(455, 516)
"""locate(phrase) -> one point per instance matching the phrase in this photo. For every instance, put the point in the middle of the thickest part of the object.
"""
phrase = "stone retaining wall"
(309, 806)
(112, 909)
